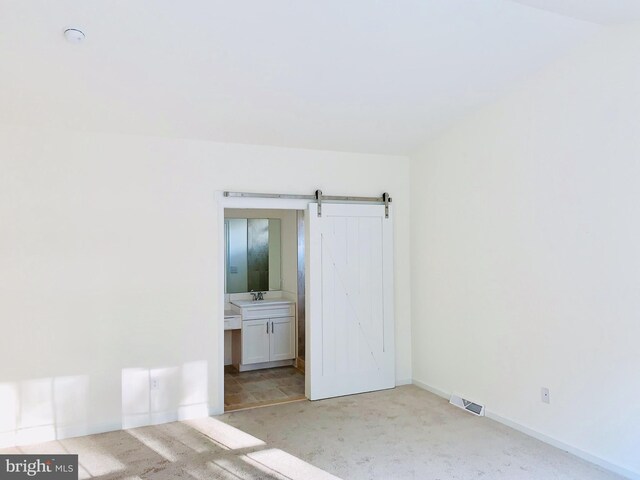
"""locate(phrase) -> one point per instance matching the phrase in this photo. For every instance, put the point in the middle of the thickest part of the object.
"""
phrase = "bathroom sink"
(257, 303)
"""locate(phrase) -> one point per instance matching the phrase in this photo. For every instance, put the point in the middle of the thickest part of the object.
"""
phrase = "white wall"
(108, 269)
(526, 258)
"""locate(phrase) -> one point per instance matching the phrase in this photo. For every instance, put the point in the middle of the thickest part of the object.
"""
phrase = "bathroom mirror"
(253, 257)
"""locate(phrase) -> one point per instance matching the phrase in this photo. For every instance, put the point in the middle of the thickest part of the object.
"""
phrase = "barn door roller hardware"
(319, 200)
(385, 199)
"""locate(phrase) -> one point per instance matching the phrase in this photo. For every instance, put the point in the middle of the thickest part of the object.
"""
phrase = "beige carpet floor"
(405, 433)
(408, 433)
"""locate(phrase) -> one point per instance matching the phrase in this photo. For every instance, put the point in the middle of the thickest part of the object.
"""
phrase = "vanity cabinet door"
(282, 338)
(255, 341)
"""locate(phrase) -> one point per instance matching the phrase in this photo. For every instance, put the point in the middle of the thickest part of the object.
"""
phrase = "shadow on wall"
(43, 409)
(159, 395)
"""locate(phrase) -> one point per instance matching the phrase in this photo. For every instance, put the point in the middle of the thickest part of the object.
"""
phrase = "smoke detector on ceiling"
(74, 35)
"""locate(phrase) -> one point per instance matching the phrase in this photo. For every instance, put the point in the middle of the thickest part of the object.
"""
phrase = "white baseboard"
(75, 431)
(542, 437)
(564, 446)
(215, 411)
(404, 381)
(187, 412)
(260, 366)
(29, 436)
(431, 389)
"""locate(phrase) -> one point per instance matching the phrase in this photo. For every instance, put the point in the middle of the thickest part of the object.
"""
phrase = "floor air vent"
(467, 405)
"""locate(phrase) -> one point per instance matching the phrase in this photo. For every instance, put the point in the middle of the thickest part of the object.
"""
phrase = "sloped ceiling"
(603, 12)
(359, 75)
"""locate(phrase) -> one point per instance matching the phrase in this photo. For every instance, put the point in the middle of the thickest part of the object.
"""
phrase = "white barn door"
(350, 325)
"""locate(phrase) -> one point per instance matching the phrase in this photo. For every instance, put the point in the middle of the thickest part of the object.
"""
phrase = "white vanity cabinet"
(282, 339)
(268, 334)
(255, 341)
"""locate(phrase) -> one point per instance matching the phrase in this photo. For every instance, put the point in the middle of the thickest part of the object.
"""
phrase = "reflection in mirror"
(258, 254)
(253, 256)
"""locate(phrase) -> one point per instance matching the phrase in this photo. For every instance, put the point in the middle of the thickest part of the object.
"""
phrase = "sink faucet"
(257, 295)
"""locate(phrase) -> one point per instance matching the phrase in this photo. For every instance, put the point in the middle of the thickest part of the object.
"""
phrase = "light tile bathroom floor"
(262, 387)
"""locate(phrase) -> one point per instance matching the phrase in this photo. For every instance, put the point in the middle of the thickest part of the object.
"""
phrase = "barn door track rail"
(385, 199)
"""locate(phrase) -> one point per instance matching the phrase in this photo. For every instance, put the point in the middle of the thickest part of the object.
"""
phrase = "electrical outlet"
(155, 383)
(544, 393)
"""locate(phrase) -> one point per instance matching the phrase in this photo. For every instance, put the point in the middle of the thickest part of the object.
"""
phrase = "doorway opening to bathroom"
(264, 336)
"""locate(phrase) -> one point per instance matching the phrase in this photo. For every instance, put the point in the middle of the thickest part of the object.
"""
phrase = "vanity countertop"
(261, 303)
(231, 313)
